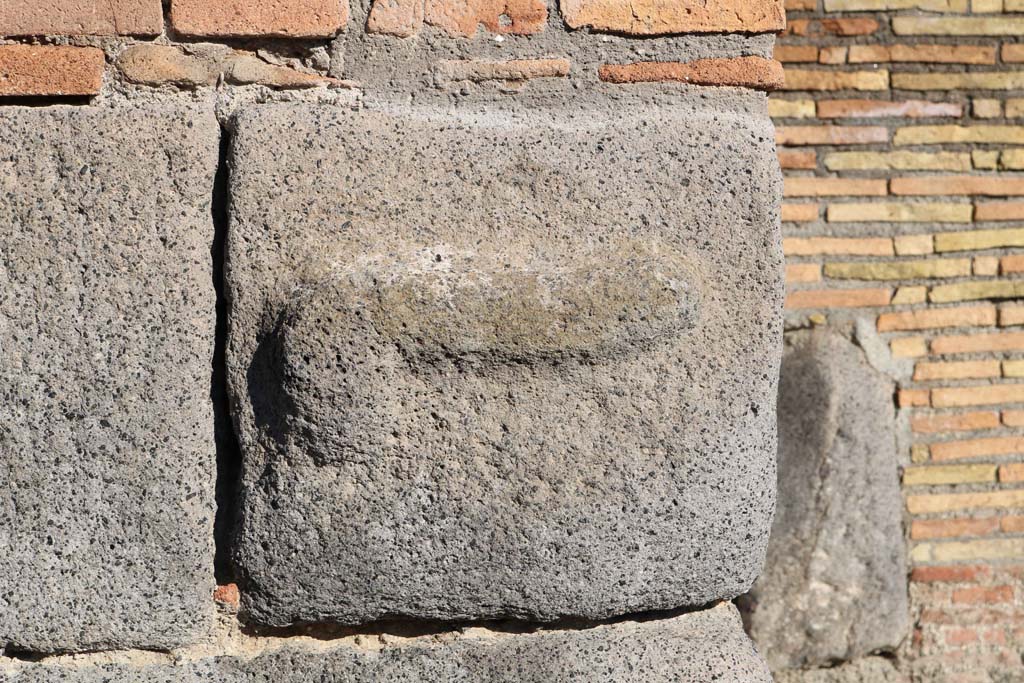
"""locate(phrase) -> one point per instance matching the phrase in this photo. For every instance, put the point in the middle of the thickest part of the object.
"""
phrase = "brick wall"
(901, 132)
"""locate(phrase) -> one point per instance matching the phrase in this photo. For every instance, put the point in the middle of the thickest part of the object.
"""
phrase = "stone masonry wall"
(901, 132)
(392, 340)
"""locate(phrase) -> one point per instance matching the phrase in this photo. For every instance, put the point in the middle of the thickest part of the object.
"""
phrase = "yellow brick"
(1011, 314)
(932, 318)
(950, 502)
(986, 6)
(803, 272)
(884, 5)
(795, 109)
(830, 79)
(1012, 159)
(934, 135)
(985, 108)
(832, 55)
(899, 270)
(958, 551)
(965, 369)
(1014, 5)
(1015, 105)
(919, 453)
(908, 347)
(900, 161)
(1013, 368)
(892, 212)
(985, 395)
(960, 26)
(913, 245)
(972, 291)
(975, 80)
(985, 159)
(986, 266)
(910, 295)
(834, 187)
(949, 474)
(852, 246)
(976, 240)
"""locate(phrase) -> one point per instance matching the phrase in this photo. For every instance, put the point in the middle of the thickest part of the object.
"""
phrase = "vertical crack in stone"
(229, 457)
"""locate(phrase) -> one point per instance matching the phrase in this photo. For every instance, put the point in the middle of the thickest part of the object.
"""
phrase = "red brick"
(961, 636)
(81, 17)
(839, 298)
(281, 18)
(847, 246)
(913, 398)
(968, 369)
(983, 595)
(1013, 52)
(830, 135)
(963, 316)
(999, 211)
(799, 213)
(930, 424)
(803, 272)
(979, 343)
(1013, 473)
(838, 109)
(227, 594)
(47, 70)
(960, 573)
(1012, 524)
(832, 27)
(921, 529)
(946, 54)
(654, 17)
(746, 72)
(1012, 264)
(463, 17)
(976, 448)
(978, 396)
(958, 185)
(791, 158)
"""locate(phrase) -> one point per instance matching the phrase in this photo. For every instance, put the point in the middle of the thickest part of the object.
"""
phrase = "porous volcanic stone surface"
(704, 646)
(835, 583)
(106, 337)
(497, 364)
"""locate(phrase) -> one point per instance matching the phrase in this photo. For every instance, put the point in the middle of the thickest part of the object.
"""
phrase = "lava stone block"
(106, 339)
(503, 363)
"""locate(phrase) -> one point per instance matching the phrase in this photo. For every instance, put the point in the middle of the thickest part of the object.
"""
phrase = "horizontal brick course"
(283, 18)
(978, 396)
(650, 17)
(838, 298)
(930, 424)
(748, 72)
(921, 530)
(81, 17)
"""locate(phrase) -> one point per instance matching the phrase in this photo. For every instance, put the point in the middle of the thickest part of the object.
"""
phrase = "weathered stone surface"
(531, 384)
(106, 338)
(461, 18)
(866, 670)
(835, 583)
(704, 646)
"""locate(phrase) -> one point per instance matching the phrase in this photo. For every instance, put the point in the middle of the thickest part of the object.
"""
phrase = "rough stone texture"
(866, 670)
(704, 646)
(531, 384)
(657, 17)
(204, 65)
(459, 18)
(35, 70)
(748, 72)
(106, 339)
(283, 18)
(453, 71)
(81, 17)
(835, 583)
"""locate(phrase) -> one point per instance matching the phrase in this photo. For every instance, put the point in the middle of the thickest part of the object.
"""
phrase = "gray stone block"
(835, 582)
(106, 337)
(503, 364)
(866, 670)
(693, 648)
